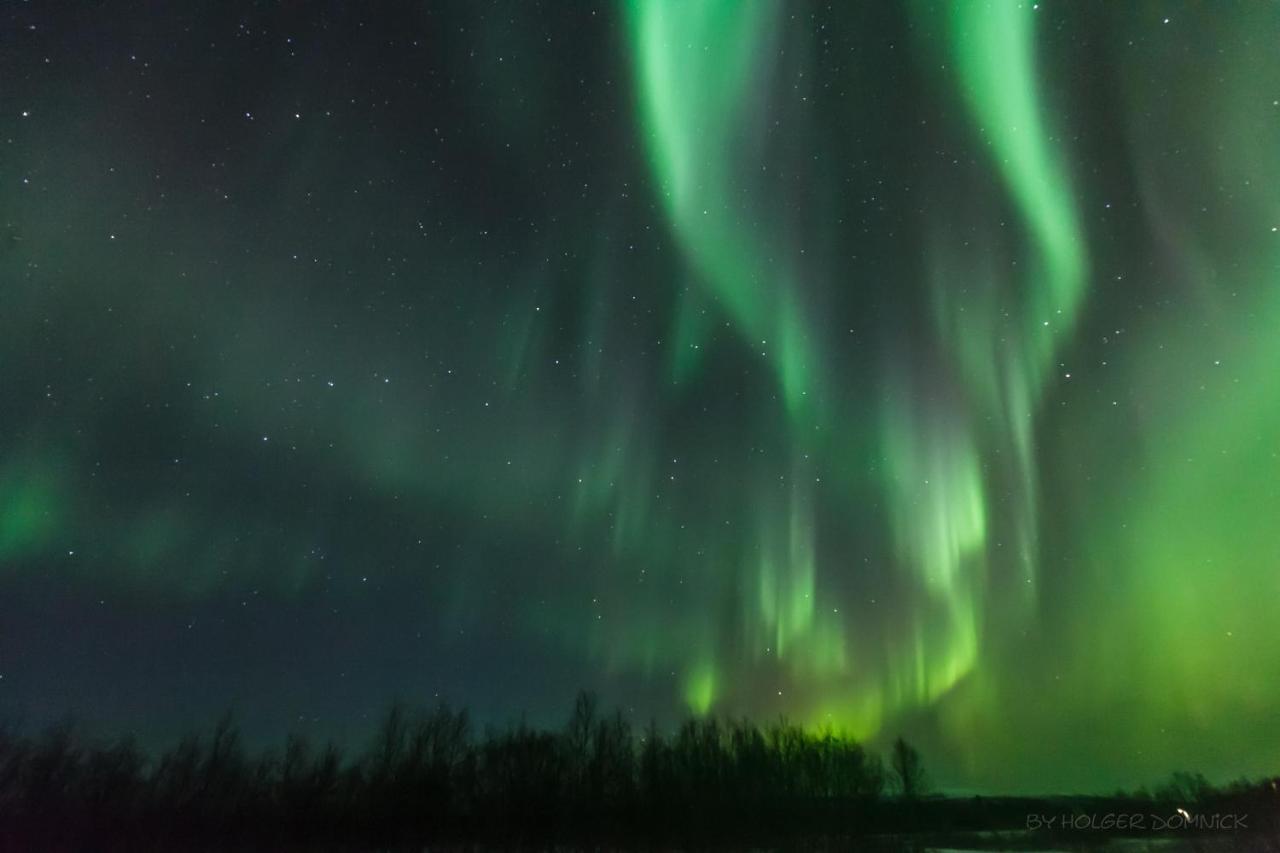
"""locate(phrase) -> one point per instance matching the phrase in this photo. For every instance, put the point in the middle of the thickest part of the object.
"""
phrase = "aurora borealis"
(895, 367)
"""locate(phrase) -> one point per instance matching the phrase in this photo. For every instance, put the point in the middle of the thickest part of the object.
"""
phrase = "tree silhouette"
(908, 770)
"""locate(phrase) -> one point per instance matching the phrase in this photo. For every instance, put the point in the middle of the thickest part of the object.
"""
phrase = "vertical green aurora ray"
(937, 504)
(698, 64)
(943, 459)
(1005, 363)
(994, 49)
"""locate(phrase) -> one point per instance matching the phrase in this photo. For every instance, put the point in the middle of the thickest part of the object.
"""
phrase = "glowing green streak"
(938, 516)
(935, 478)
(1004, 335)
(994, 48)
(807, 637)
(993, 45)
(697, 64)
(698, 69)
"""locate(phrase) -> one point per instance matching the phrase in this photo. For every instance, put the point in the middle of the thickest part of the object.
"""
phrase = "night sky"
(908, 368)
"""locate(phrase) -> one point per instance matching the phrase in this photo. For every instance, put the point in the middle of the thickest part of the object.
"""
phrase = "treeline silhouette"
(429, 777)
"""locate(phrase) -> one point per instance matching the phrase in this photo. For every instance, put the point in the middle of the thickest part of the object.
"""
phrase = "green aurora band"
(906, 377)
(700, 94)
(954, 459)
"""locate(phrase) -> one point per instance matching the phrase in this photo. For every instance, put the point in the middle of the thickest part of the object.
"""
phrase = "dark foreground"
(428, 782)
